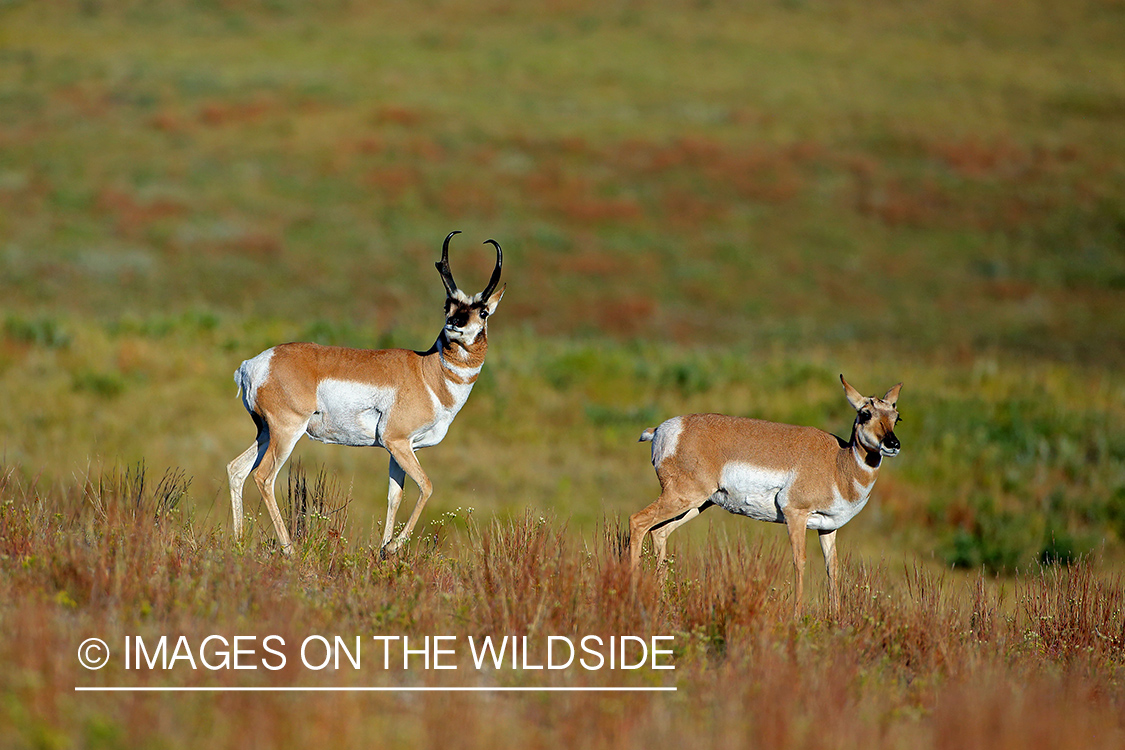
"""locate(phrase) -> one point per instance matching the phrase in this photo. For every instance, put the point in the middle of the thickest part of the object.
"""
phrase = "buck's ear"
(494, 300)
(892, 395)
(855, 398)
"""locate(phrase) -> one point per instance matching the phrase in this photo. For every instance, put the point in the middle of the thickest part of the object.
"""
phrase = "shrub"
(45, 332)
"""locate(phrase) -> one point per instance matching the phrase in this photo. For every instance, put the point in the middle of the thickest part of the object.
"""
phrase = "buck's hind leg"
(283, 438)
(239, 469)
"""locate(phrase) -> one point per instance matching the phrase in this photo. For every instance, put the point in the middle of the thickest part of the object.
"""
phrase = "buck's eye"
(483, 314)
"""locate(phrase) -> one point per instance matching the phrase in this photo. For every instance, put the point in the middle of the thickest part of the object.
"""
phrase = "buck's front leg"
(403, 455)
(394, 496)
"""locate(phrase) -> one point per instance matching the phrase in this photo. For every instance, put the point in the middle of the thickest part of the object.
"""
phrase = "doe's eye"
(864, 416)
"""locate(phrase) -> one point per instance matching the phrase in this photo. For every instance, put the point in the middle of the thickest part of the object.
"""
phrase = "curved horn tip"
(492, 282)
(443, 265)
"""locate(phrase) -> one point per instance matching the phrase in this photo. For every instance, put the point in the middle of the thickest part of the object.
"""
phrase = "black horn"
(443, 266)
(492, 282)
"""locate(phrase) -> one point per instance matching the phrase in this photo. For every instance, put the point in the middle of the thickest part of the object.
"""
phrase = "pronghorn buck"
(800, 476)
(398, 399)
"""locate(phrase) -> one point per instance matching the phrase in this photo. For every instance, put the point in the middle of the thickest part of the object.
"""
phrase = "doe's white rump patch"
(665, 440)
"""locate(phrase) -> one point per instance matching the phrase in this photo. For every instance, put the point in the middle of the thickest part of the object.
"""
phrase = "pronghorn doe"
(398, 399)
(800, 476)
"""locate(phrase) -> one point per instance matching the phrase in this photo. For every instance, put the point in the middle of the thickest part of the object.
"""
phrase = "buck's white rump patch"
(250, 375)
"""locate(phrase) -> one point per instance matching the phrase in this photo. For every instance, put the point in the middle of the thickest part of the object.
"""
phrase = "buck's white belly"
(752, 491)
(349, 413)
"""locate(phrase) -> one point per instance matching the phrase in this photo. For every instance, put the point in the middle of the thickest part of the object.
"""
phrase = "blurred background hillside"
(704, 206)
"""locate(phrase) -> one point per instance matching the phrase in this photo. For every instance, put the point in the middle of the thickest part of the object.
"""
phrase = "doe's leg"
(661, 532)
(832, 565)
(797, 524)
(674, 501)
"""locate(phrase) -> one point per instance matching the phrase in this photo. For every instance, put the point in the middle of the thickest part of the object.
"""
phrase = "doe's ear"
(892, 395)
(492, 302)
(855, 398)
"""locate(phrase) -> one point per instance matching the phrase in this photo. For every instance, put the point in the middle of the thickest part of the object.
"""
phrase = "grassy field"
(917, 659)
(703, 208)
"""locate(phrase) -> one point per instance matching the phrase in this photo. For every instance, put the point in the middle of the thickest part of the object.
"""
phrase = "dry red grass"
(131, 215)
(916, 661)
(219, 114)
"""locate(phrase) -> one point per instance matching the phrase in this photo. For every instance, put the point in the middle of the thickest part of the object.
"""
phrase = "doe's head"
(467, 316)
(875, 419)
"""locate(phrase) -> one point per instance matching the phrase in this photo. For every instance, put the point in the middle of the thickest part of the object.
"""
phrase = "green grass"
(703, 209)
(1020, 455)
(259, 151)
(703, 206)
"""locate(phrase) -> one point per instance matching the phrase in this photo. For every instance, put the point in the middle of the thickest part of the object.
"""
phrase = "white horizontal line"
(369, 689)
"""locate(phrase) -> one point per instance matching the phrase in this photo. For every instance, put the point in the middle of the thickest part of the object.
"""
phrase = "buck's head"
(466, 317)
(875, 419)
